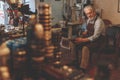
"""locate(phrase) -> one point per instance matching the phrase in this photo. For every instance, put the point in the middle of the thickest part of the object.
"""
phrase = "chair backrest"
(107, 22)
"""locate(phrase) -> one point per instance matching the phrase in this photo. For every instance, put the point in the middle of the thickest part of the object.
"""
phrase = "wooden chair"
(107, 54)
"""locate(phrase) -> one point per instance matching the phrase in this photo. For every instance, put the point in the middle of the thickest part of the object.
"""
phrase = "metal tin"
(45, 21)
(47, 35)
(44, 17)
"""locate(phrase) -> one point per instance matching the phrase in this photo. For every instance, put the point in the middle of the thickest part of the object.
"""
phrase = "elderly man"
(92, 37)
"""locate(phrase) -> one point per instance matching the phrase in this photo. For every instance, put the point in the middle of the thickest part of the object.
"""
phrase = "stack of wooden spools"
(45, 20)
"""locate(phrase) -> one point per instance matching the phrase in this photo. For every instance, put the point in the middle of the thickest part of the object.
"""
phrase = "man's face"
(89, 13)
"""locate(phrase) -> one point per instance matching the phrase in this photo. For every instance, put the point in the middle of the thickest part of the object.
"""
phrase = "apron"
(94, 44)
(98, 43)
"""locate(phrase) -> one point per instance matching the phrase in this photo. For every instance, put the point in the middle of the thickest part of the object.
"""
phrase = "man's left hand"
(78, 40)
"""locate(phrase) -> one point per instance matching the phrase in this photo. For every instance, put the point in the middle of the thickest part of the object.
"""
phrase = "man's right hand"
(84, 33)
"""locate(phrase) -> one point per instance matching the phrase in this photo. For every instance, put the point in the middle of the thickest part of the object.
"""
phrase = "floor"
(103, 67)
(107, 66)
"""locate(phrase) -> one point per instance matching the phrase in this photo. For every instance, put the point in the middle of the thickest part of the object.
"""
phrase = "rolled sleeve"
(98, 29)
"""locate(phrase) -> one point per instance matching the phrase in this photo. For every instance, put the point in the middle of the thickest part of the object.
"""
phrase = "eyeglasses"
(89, 12)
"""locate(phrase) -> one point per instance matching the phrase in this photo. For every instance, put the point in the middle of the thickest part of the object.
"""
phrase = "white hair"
(90, 7)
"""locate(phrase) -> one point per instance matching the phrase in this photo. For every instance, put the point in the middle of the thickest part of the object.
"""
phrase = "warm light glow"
(13, 1)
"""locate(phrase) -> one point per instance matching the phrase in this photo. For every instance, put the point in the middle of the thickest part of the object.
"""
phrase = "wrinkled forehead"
(88, 9)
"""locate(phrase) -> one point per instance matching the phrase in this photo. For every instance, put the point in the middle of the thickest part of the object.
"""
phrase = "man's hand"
(78, 40)
(84, 33)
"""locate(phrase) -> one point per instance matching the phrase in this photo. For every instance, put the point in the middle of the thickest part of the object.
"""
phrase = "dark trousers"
(92, 46)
